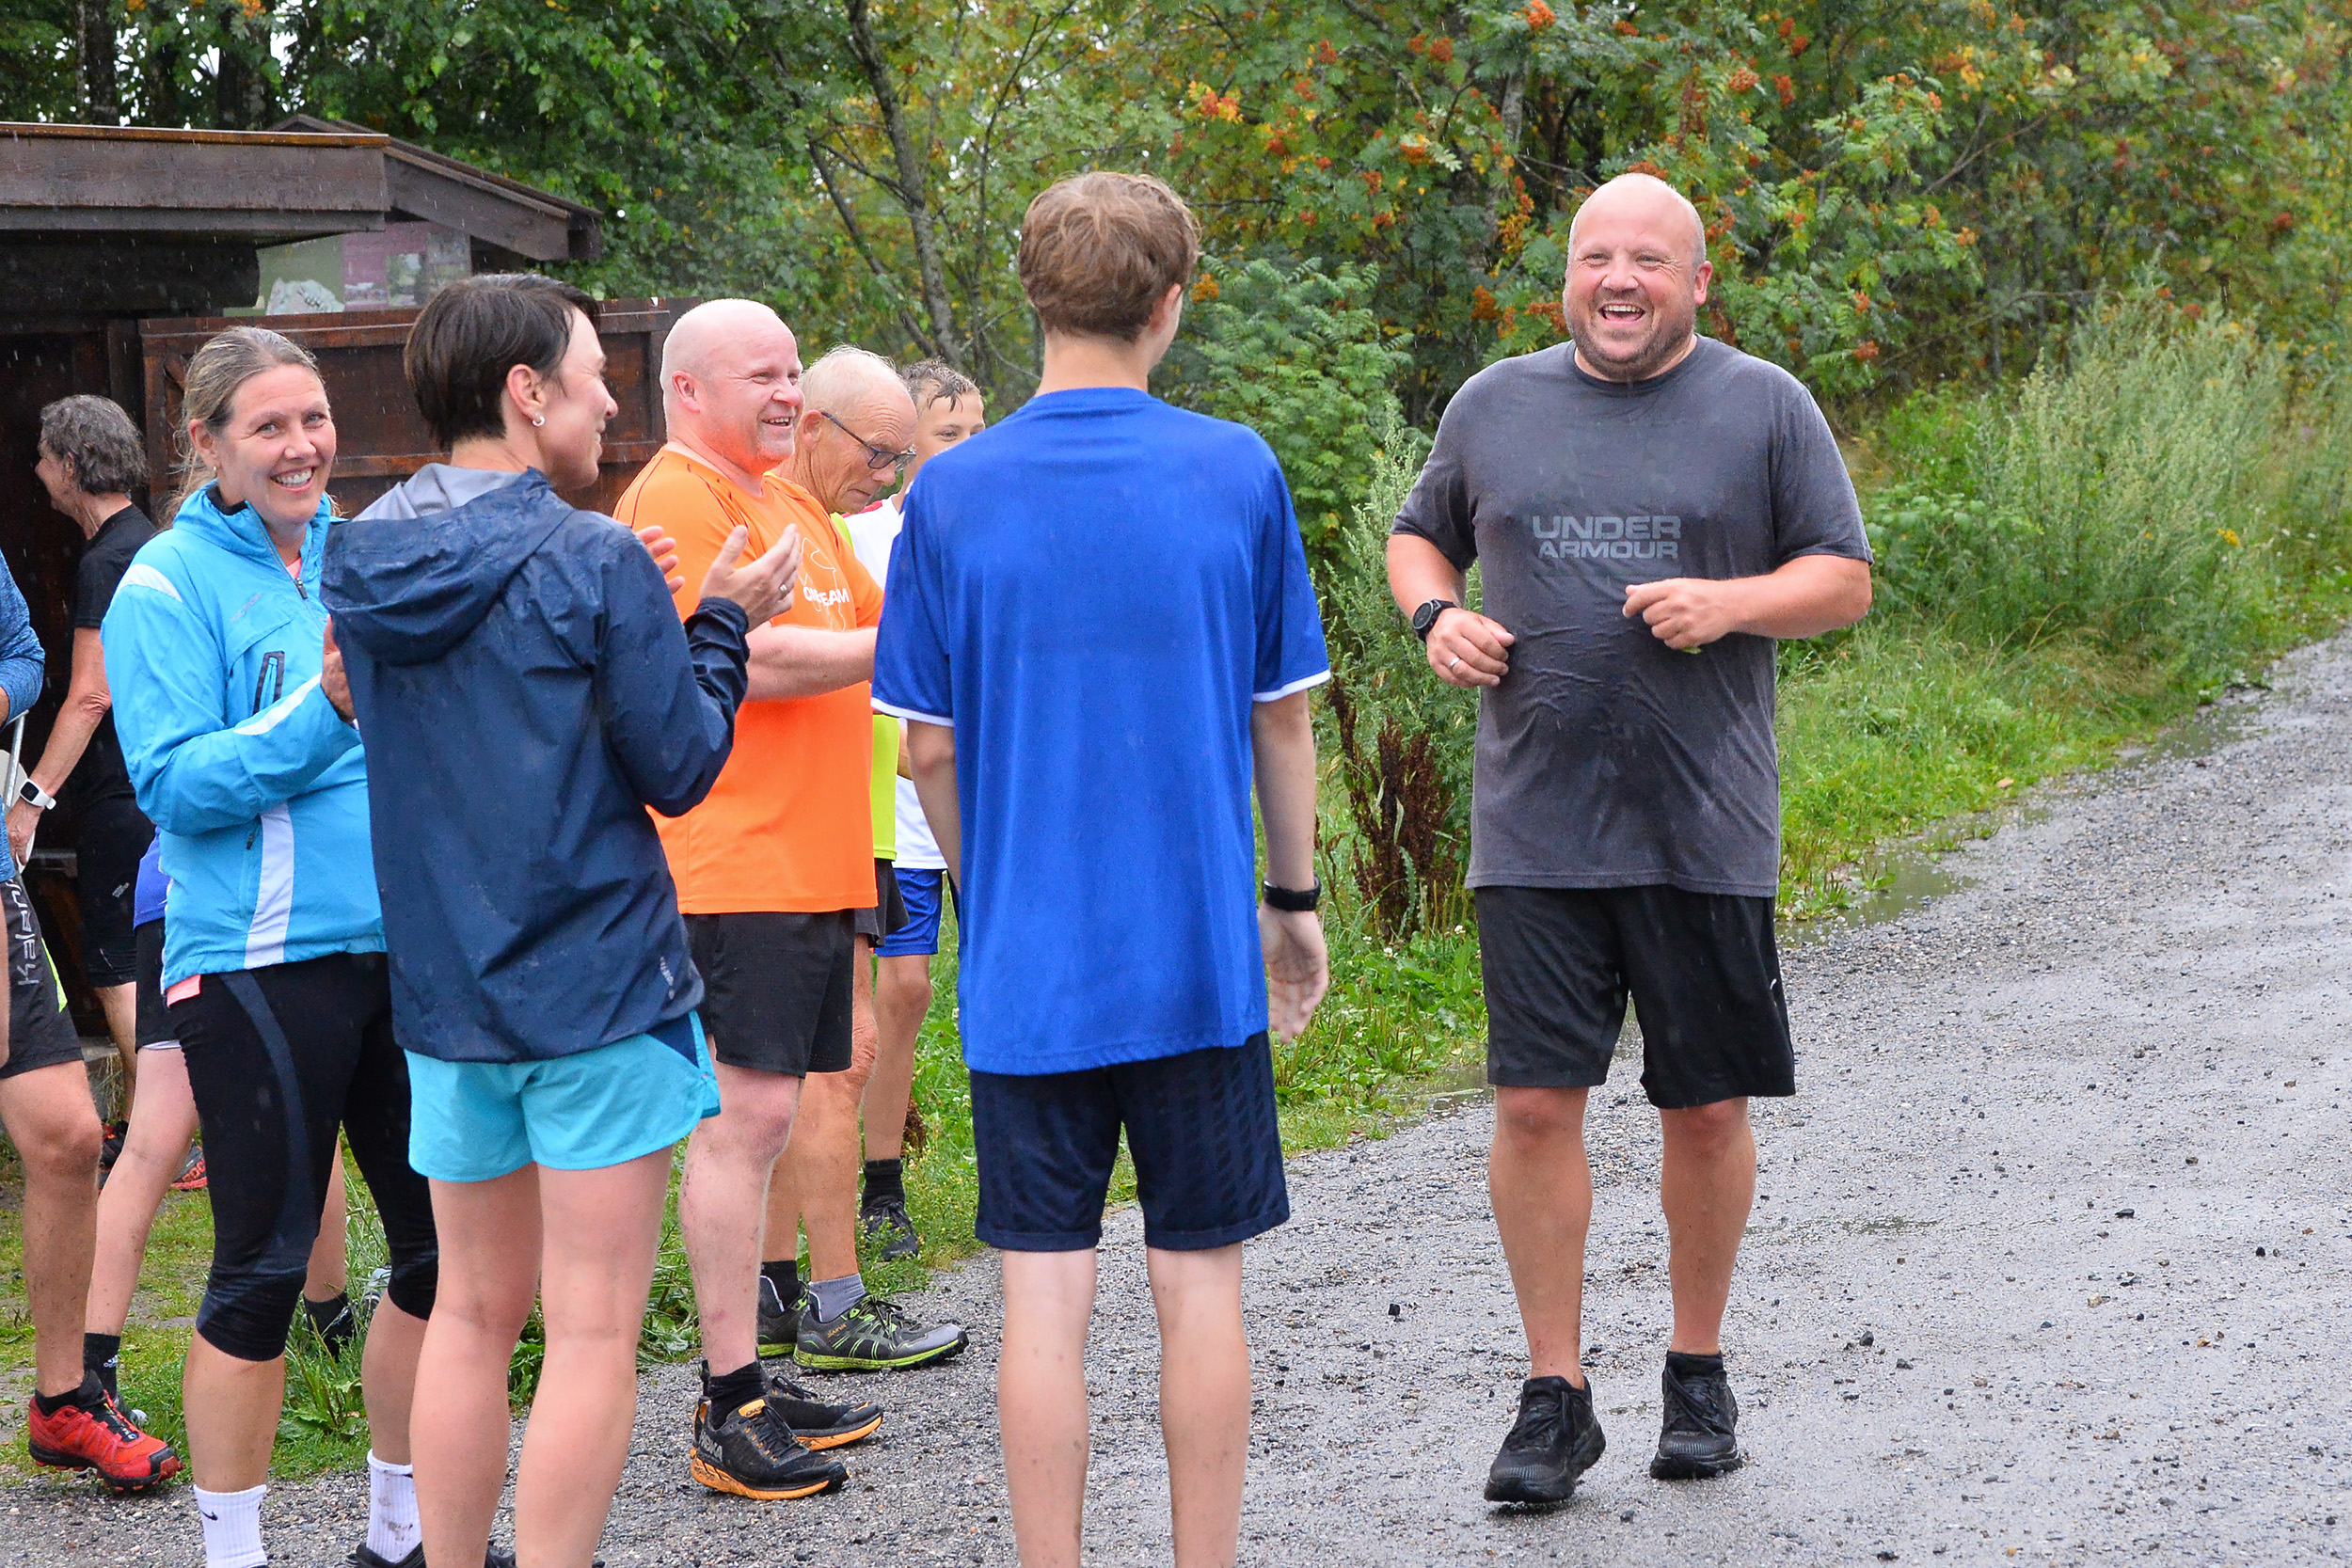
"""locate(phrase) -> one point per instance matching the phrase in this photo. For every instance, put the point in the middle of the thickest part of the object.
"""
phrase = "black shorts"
(280, 1058)
(40, 1031)
(1701, 967)
(1200, 1128)
(154, 1022)
(889, 913)
(776, 988)
(106, 856)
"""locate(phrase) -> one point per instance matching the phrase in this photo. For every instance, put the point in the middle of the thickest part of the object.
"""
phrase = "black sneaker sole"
(57, 1459)
(1514, 1492)
(1666, 1466)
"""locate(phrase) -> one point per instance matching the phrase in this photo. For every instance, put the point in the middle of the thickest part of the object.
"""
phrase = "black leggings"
(277, 1058)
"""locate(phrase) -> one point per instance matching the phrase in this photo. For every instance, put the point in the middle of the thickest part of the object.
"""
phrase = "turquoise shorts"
(476, 1121)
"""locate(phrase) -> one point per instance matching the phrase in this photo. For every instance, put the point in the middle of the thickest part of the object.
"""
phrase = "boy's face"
(940, 424)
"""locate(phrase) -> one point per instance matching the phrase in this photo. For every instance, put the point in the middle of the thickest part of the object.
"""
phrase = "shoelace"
(1542, 1416)
(761, 1424)
(109, 1415)
(1700, 1403)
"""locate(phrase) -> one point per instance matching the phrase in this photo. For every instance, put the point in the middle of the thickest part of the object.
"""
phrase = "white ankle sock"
(233, 1528)
(392, 1528)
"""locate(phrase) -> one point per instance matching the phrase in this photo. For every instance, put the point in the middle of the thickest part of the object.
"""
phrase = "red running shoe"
(101, 1438)
(192, 1177)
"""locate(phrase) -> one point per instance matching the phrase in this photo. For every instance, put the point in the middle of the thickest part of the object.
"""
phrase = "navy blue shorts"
(1200, 1128)
(921, 892)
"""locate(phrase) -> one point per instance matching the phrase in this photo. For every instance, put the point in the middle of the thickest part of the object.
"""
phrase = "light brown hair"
(209, 391)
(1099, 250)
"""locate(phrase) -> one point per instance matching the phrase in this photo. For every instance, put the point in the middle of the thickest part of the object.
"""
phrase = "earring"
(538, 418)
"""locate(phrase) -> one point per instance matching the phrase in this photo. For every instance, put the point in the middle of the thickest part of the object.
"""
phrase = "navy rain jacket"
(526, 691)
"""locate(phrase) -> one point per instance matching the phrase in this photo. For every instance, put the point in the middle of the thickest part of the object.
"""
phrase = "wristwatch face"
(1426, 617)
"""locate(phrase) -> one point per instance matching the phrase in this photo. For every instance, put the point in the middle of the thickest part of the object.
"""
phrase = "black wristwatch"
(1426, 616)
(1291, 900)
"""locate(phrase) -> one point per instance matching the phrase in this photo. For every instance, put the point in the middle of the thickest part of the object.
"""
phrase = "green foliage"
(1286, 351)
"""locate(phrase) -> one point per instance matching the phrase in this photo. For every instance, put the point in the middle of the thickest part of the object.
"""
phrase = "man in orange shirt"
(769, 868)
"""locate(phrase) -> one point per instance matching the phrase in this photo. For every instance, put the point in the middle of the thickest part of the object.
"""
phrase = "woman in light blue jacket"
(236, 728)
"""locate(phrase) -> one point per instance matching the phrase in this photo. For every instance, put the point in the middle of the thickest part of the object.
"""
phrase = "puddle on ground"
(1458, 1086)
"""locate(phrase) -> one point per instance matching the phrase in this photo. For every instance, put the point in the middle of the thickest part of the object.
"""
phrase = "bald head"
(858, 418)
(731, 387)
(1651, 200)
(844, 376)
(1637, 275)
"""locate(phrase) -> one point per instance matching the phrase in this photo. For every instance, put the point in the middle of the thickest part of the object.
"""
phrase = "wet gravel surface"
(2050, 1263)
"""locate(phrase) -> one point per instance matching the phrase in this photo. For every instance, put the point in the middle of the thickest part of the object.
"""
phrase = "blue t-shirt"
(1092, 593)
(147, 899)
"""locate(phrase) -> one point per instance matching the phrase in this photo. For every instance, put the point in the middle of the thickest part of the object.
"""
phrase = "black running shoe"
(873, 1336)
(750, 1453)
(1556, 1439)
(818, 1424)
(365, 1557)
(332, 1320)
(1697, 1441)
(779, 1320)
(886, 1224)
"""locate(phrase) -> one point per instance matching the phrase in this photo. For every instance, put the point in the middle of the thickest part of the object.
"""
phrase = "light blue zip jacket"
(257, 788)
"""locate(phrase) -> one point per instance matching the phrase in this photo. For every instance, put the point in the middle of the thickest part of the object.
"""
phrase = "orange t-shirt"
(788, 826)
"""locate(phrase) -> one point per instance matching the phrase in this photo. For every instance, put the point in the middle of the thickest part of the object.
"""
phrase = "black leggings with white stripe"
(279, 1058)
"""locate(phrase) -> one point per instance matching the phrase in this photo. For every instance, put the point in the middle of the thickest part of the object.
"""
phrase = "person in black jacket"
(528, 692)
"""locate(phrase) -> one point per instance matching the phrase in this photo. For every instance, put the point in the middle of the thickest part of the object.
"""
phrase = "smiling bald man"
(1654, 509)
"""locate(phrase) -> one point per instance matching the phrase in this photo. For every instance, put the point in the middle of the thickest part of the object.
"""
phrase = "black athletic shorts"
(154, 1022)
(1200, 1128)
(106, 855)
(1701, 967)
(40, 1031)
(279, 1058)
(776, 988)
(890, 907)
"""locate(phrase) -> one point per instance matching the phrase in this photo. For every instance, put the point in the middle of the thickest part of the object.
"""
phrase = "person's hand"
(23, 820)
(1297, 968)
(332, 680)
(663, 550)
(763, 587)
(1684, 613)
(1469, 650)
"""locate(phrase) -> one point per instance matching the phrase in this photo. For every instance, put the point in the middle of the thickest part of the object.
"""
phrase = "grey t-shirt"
(1606, 758)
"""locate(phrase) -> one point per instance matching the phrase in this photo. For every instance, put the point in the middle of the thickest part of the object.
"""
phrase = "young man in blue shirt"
(1100, 627)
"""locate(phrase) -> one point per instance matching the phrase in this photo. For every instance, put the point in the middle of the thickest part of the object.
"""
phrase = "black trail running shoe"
(779, 1320)
(887, 1225)
(1556, 1439)
(368, 1558)
(750, 1453)
(819, 1423)
(1697, 1441)
(874, 1335)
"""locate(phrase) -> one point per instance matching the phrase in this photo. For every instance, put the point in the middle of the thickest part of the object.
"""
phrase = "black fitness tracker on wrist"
(1426, 616)
(1291, 900)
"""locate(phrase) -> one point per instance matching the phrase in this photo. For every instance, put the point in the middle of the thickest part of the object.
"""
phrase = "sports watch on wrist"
(1426, 616)
(35, 796)
(1291, 900)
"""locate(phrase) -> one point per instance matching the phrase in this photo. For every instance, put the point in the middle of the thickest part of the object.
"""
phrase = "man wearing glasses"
(773, 867)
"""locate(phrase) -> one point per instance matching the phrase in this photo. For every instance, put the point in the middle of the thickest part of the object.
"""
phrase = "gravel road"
(2050, 1263)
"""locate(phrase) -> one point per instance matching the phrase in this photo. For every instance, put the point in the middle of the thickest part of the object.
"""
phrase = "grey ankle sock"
(833, 1297)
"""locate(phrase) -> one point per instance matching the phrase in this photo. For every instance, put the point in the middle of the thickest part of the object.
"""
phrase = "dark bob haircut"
(475, 330)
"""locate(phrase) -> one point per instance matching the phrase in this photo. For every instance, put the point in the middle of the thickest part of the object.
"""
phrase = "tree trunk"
(101, 104)
(160, 58)
(912, 187)
(240, 94)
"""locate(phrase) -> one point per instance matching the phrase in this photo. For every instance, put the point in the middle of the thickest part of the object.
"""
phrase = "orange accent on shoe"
(193, 1180)
(79, 1438)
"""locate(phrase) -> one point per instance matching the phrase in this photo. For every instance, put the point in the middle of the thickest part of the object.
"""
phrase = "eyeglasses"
(876, 457)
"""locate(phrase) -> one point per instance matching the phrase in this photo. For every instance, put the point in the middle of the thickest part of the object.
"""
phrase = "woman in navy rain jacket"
(527, 692)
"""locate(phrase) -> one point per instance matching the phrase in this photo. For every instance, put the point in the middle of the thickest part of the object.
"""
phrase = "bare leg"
(1707, 1186)
(330, 1268)
(489, 1236)
(1204, 1399)
(602, 1229)
(121, 1006)
(1042, 1401)
(48, 1116)
(902, 999)
(162, 1127)
(232, 1408)
(387, 1379)
(1542, 1188)
(817, 1178)
(723, 1204)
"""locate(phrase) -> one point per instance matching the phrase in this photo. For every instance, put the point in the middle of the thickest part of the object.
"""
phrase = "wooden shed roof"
(305, 178)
